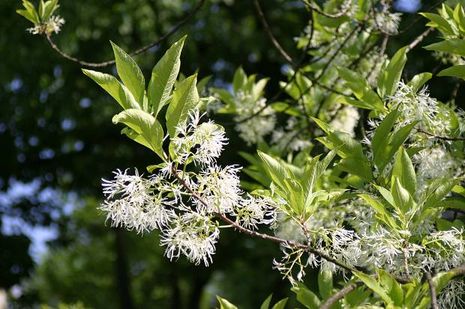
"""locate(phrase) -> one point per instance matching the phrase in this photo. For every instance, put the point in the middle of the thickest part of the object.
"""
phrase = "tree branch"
(268, 31)
(339, 295)
(432, 291)
(141, 50)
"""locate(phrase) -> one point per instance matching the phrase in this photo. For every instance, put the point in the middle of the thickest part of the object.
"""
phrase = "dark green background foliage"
(55, 129)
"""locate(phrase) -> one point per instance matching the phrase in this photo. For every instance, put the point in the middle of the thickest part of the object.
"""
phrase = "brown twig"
(339, 295)
(419, 39)
(446, 138)
(432, 291)
(141, 50)
(321, 12)
(268, 31)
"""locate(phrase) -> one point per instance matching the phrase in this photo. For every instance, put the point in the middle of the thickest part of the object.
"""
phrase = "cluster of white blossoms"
(52, 25)
(290, 138)
(419, 106)
(386, 21)
(183, 203)
(345, 120)
(254, 119)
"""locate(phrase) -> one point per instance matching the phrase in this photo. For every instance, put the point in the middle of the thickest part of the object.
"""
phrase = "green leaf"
(129, 73)
(266, 303)
(185, 98)
(380, 210)
(404, 171)
(382, 132)
(454, 71)
(373, 285)
(49, 8)
(148, 130)
(239, 79)
(390, 76)
(111, 85)
(306, 297)
(453, 46)
(419, 80)
(164, 76)
(393, 288)
(280, 304)
(438, 190)
(26, 14)
(224, 304)
(325, 283)
(31, 12)
(453, 203)
(361, 89)
(401, 196)
(439, 22)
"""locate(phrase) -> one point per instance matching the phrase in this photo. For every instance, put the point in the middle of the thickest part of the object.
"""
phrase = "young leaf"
(225, 304)
(164, 76)
(325, 283)
(267, 302)
(185, 98)
(373, 285)
(129, 73)
(280, 304)
(111, 85)
(404, 171)
(419, 80)
(148, 129)
(452, 46)
(49, 8)
(389, 78)
(306, 297)
(454, 71)
(361, 89)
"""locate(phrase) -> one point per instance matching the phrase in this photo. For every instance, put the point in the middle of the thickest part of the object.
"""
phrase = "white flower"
(253, 211)
(219, 188)
(434, 163)
(130, 201)
(262, 118)
(201, 143)
(346, 120)
(211, 140)
(192, 235)
(52, 25)
(387, 22)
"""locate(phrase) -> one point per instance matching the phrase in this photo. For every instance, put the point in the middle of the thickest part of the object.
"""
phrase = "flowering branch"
(247, 231)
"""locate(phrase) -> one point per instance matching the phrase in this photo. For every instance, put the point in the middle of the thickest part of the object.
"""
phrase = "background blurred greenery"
(57, 141)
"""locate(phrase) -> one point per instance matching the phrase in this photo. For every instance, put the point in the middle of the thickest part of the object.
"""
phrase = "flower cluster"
(52, 25)
(254, 119)
(184, 205)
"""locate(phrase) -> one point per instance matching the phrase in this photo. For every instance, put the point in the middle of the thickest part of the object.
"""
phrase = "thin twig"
(321, 12)
(446, 138)
(419, 39)
(432, 291)
(141, 50)
(268, 31)
(339, 295)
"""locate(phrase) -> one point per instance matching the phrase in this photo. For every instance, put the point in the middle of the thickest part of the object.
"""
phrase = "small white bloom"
(219, 188)
(192, 235)
(346, 120)
(130, 201)
(253, 211)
